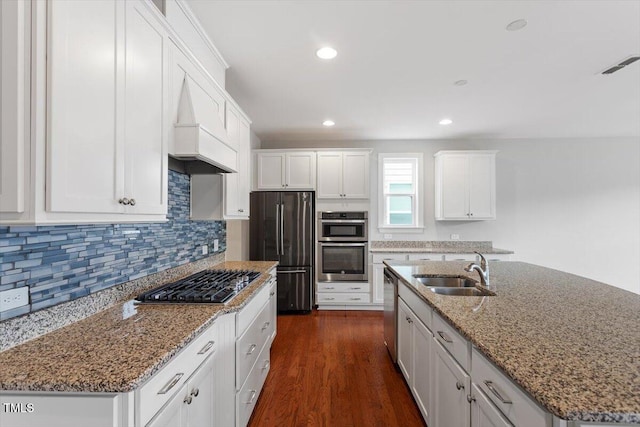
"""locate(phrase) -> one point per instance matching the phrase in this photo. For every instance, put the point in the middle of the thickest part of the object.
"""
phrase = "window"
(400, 203)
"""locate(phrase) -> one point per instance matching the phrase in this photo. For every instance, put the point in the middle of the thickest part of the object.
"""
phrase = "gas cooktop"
(205, 287)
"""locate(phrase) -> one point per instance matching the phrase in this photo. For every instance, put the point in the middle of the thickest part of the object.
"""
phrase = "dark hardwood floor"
(331, 368)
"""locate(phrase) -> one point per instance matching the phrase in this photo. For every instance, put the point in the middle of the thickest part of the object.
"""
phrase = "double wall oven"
(343, 246)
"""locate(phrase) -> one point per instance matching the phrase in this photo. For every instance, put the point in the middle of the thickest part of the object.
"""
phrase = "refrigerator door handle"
(282, 229)
(277, 229)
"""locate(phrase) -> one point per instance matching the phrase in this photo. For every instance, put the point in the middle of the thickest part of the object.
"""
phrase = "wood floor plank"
(331, 369)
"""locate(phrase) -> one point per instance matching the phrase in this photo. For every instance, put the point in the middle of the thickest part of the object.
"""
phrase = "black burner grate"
(208, 286)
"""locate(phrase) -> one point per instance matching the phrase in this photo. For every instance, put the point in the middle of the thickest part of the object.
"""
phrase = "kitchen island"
(121, 349)
(571, 343)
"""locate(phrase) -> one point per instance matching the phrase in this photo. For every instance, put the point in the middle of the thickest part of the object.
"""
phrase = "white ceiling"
(397, 61)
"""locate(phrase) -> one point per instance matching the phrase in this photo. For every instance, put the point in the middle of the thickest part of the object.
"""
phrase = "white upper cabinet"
(14, 105)
(465, 185)
(106, 141)
(236, 185)
(291, 170)
(343, 175)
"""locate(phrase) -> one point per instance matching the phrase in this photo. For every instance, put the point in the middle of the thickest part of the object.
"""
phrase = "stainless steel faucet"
(482, 269)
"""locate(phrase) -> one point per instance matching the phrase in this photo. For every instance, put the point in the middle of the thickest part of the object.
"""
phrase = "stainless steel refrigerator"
(281, 229)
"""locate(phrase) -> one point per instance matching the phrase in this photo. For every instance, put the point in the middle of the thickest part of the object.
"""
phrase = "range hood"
(200, 134)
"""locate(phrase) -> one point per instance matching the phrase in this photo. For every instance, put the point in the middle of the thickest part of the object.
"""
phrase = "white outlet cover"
(388, 236)
(14, 298)
(215, 245)
(455, 237)
(205, 249)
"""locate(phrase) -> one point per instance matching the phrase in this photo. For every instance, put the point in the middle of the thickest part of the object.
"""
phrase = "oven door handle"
(343, 244)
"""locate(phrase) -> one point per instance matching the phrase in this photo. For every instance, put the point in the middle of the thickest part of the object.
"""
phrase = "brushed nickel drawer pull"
(355, 288)
(459, 385)
(495, 391)
(329, 299)
(253, 396)
(188, 400)
(251, 349)
(329, 287)
(195, 392)
(168, 386)
(266, 325)
(266, 365)
(207, 347)
(355, 299)
(445, 337)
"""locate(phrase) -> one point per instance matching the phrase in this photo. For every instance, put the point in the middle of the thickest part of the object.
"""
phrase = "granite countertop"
(108, 353)
(572, 343)
(436, 247)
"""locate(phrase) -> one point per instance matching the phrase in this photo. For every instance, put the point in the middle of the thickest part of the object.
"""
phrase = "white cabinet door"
(455, 194)
(484, 413)
(85, 60)
(236, 185)
(481, 186)
(145, 130)
(405, 341)
(271, 171)
(300, 171)
(174, 413)
(422, 376)
(355, 175)
(451, 384)
(378, 284)
(14, 103)
(329, 175)
(200, 399)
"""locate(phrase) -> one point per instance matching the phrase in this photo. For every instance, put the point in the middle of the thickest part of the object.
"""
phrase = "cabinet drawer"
(249, 345)
(248, 395)
(343, 298)
(251, 310)
(344, 287)
(426, 257)
(515, 404)
(378, 258)
(163, 385)
(452, 341)
(419, 307)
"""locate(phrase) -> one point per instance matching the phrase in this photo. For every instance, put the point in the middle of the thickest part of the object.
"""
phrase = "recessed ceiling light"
(460, 82)
(326, 53)
(445, 122)
(517, 25)
(328, 123)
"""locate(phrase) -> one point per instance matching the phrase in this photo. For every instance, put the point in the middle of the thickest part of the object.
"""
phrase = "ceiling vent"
(621, 65)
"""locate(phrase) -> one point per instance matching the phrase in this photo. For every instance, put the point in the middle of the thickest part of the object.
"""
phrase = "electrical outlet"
(388, 236)
(14, 298)
(215, 245)
(205, 249)
(455, 237)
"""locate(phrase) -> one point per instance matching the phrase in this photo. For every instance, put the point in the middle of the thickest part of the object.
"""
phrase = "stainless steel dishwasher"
(391, 313)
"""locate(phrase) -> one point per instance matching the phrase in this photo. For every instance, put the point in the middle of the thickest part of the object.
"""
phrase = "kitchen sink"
(445, 281)
(462, 292)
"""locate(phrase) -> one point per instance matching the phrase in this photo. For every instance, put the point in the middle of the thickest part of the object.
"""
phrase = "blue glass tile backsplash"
(64, 262)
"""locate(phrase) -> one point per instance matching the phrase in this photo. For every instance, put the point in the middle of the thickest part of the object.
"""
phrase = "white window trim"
(419, 194)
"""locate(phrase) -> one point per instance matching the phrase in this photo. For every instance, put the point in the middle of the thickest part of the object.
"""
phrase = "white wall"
(568, 204)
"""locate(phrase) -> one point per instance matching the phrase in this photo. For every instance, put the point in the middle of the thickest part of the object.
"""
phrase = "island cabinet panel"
(452, 383)
(519, 408)
(405, 341)
(483, 412)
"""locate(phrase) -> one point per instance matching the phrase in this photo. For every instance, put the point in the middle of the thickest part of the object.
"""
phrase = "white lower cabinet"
(414, 356)
(452, 384)
(483, 412)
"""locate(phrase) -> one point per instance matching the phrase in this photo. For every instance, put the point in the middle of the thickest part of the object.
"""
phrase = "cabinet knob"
(188, 400)
(132, 202)
(123, 201)
(409, 319)
(240, 210)
(195, 392)
(459, 385)
(471, 398)
(471, 214)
